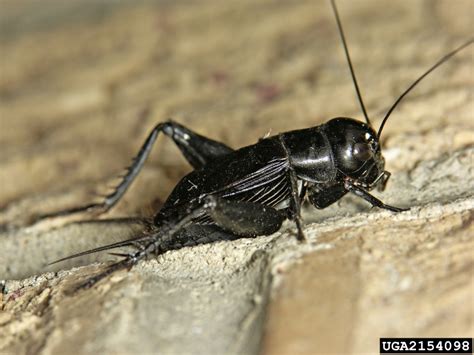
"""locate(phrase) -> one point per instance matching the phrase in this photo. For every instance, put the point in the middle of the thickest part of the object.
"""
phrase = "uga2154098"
(249, 192)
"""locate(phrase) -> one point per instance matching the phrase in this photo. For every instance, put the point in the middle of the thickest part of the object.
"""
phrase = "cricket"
(250, 191)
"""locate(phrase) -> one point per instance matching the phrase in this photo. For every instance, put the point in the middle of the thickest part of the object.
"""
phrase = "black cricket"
(249, 192)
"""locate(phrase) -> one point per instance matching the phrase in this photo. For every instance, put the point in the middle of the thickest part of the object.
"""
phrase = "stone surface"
(80, 87)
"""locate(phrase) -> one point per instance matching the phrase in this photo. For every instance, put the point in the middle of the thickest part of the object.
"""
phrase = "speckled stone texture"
(81, 86)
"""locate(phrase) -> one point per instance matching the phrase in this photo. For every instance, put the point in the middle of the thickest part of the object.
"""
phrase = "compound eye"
(362, 151)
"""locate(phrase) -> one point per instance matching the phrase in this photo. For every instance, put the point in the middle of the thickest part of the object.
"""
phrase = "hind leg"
(197, 149)
(242, 219)
(239, 218)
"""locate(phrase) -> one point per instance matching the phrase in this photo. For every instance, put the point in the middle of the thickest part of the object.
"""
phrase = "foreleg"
(359, 191)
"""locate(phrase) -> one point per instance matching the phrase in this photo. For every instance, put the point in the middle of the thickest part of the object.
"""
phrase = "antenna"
(437, 64)
(346, 50)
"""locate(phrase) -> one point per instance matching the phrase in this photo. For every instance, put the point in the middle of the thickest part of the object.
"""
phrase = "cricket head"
(356, 151)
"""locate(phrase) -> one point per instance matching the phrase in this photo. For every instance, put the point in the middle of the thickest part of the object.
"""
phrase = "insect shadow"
(250, 191)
